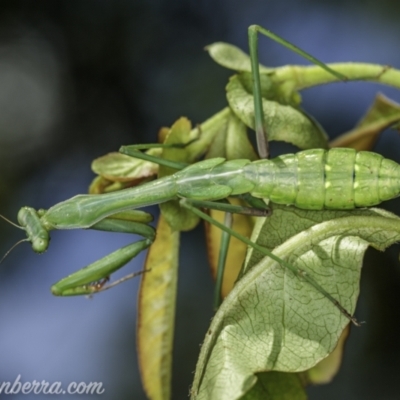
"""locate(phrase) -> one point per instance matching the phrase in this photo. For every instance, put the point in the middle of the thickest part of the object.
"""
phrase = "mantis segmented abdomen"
(338, 179)
(316, 179)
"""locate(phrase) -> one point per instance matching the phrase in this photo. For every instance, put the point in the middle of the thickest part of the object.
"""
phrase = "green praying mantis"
(315, 179)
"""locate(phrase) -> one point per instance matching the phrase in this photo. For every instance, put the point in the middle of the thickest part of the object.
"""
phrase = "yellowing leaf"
(382, 114)
(162, 134)
(99, 185)
(242, 224)
(157, 299)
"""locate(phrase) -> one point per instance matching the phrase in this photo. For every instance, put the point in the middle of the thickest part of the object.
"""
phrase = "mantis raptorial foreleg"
(92, 278)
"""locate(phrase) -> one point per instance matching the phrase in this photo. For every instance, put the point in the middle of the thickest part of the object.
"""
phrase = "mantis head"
(29, 220)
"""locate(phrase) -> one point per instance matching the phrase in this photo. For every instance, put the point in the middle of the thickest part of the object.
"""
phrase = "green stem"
(303, 77)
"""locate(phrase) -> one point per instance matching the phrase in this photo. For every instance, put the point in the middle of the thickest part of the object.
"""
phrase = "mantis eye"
(39, 245)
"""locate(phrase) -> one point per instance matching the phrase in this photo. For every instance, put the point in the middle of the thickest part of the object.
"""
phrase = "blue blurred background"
(80, 78)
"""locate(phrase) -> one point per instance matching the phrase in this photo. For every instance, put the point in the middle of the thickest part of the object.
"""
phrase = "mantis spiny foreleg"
(92, 278)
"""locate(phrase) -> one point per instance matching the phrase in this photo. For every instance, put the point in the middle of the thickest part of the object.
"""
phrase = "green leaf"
(276, 386)
(118, 167)
(209, 130)
(231, 57)
(326, 369)
(283, 122)
(179, 133)
(303, 77)
(271, 90)
(273, 320)
(178, 218)
(232, 142)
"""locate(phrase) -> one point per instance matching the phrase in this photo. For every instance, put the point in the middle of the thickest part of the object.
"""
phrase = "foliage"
(275, 331)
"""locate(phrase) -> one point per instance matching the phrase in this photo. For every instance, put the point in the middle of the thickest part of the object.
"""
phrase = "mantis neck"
(83, 211)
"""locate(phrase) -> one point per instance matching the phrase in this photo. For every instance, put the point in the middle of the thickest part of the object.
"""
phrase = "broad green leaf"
(274, 320)
(179, 133)
(232, 143)
(156, 318)
(382, 114)
(231, 57)
(276, 386)
(271, 90)
(119, 167)
(178, 218)
(117, 171)
(326, 369)
(209, 130)
(282, 122)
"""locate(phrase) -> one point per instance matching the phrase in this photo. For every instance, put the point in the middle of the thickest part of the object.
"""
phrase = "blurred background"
(80, 78)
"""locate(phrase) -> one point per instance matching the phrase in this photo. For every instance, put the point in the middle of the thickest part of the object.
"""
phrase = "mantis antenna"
(16, 244)
(12, 223)
(12, 248)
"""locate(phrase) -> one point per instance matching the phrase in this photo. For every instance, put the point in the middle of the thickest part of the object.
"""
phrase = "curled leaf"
(276, 386)
(282, 122)
(382, 114)
(326, 369)
(274, 320)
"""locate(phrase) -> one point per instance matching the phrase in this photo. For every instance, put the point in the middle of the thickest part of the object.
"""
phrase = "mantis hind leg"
(297, 272)
(258, 208)
(260, 128)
